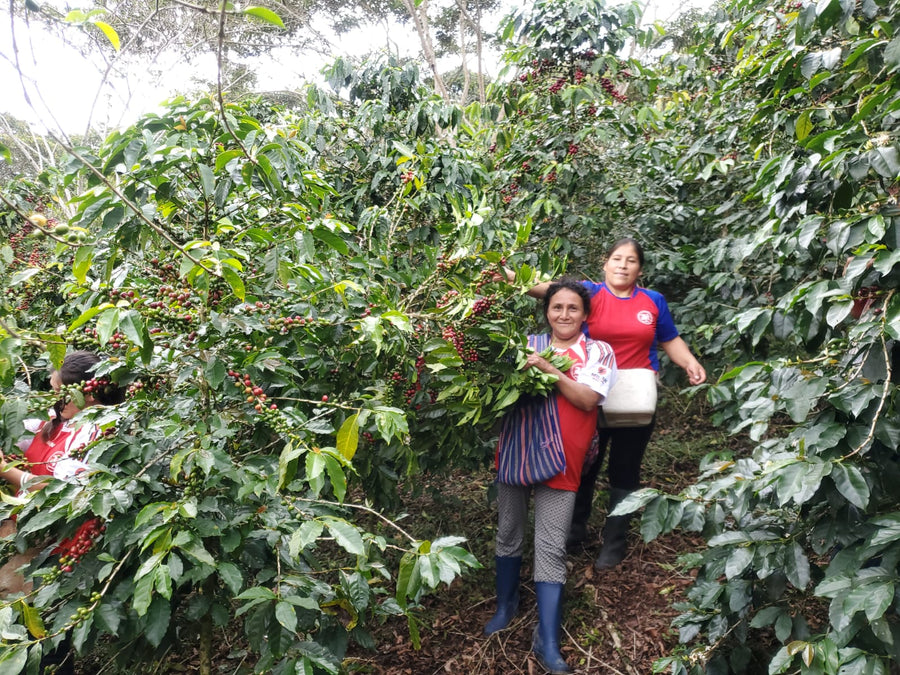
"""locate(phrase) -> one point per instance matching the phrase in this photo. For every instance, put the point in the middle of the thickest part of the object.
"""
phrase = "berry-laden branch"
(134, 207)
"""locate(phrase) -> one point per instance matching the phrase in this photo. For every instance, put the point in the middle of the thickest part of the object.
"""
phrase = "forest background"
(298, 291)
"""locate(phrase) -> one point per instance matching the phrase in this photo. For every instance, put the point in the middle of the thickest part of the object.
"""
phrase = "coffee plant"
(289, 348)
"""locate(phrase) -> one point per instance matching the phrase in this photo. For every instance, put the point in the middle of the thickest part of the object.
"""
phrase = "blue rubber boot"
(545, 643)
(507, 575)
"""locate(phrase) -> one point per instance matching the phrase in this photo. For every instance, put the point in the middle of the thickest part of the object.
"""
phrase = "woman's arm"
(579, 395)
(538, 291)
(680, 354)
(13, 475)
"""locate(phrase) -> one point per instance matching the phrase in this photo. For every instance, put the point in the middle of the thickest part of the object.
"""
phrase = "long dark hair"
(77, 367)
(627, 241)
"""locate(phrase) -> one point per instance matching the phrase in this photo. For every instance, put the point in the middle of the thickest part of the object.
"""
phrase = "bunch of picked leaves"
(532, 381)
(535, 382)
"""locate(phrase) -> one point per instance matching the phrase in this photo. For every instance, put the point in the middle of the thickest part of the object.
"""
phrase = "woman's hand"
(535, 360)
(579, 395)
(680, 354)
(696, 373)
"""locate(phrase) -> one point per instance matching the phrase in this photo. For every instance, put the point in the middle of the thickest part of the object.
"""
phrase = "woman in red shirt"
(580, 390)
(636, 322)
(50, 451)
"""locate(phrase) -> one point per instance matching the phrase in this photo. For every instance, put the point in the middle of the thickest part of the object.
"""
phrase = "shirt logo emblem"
(645, 317)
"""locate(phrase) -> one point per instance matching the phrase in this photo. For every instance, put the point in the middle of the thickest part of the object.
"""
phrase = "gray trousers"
(552, 517)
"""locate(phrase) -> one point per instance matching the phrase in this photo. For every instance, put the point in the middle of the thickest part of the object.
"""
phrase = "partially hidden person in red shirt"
(55, 448)
(579, 391)
(636, 322)
(52, 450)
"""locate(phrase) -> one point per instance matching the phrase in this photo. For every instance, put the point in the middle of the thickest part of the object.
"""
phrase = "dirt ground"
(616, 621)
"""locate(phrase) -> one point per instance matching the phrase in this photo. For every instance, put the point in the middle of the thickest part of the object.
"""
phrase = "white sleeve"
(69, 467)
(599, 371)
(32, 425)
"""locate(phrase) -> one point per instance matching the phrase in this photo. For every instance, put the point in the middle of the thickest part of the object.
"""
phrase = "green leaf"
(89, 314)
(738, 561)
(304, 536)
(405, 585)
(654, 519)
(348, 437)
(231, 576)
(13, 658)
(286, 615)
(207, 181)
(257, 593)
(32, 619)
(796, 566)
(224, 157)
(234, 280)
(143, 594)
(84, 256)
(356, 588)
(156, 621)
(804, 126)
(215, 372)
(888, 529)
(315, 467)
(132, 326)
(885, 161)
(405, 151)
(331, 239)
(880, 597)
(266, 15)
(892, 54)
(107, 324)
(345, 534)
(336, 476)
(851, 484)
(110, 34)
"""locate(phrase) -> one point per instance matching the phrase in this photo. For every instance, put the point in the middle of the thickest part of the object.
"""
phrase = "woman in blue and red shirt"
(636, 323)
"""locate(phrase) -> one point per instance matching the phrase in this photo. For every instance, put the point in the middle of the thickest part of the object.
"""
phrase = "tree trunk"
(206, 630)
(479, 45)
(465, 66)
(419, 16)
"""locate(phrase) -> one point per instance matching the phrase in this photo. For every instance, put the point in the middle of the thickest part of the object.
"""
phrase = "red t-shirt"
(594, 366)
(634, 326)
(52, 458)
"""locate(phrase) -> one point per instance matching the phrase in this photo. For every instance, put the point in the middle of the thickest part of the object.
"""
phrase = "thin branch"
(219, 67)
(885, 389)
(360, 507)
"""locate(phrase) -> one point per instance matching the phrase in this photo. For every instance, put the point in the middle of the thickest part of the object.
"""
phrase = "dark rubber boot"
(545, 643)
(615, 533)
(584, 498)
(507, 578)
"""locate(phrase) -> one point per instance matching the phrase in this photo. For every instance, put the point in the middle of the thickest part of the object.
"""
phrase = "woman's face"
(71, 409)
(622, 269)
(565, 314)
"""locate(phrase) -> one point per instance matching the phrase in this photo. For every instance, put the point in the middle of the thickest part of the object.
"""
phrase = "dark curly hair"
(567, 284)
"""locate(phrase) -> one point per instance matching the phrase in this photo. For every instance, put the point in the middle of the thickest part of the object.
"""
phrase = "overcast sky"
(62, 86)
